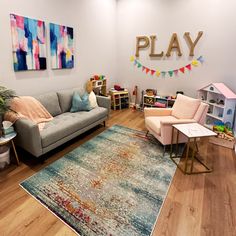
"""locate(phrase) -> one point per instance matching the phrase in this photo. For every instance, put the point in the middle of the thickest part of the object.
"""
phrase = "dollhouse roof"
(223, 89)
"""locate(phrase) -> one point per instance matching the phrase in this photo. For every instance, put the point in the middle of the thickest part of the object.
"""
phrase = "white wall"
(94, 37)
(164, 17)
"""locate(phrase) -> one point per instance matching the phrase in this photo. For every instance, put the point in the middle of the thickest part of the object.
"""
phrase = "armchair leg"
(164, 150)
(147, 133)
(104, 123)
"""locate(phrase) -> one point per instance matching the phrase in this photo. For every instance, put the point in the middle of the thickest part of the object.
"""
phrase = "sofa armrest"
(180, 121)
(28, 136)
(157, 111)
(104, 102)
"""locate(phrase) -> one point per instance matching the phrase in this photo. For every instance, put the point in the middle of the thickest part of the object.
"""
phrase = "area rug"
(114, 184)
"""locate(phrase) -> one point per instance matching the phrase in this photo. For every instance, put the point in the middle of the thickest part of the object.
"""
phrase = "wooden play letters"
(143, 42)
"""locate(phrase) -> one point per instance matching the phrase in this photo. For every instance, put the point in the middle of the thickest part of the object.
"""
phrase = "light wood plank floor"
(195, 205)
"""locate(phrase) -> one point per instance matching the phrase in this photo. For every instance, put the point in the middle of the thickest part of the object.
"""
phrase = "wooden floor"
(195, 205)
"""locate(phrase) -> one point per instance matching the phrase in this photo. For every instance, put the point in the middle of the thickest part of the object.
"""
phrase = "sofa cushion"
(68, 123)
(154, 122)
(185, 107)
(65, 98)
(50, 102)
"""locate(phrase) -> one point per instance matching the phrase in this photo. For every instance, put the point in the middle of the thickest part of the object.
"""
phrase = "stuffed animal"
(89, 87)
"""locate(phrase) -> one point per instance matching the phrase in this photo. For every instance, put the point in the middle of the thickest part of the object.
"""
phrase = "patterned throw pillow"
(80, 103)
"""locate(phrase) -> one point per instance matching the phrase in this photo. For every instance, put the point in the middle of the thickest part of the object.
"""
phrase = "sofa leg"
(104, 123)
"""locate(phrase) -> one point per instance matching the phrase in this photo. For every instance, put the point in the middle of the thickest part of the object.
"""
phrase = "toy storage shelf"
(150, 101)
(221, 103)
(119, 99)
(99, 86)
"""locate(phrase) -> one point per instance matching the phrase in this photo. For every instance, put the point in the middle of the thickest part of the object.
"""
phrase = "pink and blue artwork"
(61, 46)
(28, 43)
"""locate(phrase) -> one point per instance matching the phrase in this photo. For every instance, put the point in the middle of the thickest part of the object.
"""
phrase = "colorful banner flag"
(158, 73)
(200, 59)
(147, 70)
(153, 72)
(188, 66)
(163, 73)
(195, 63)
(175, 72)
(171, 73)
(181, 69)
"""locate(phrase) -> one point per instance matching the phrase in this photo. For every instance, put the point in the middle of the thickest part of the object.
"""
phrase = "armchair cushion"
(201, 113)
(185, 107)
(154, 122)
(157, 112)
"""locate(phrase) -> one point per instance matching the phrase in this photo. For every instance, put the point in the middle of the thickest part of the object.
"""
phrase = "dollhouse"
(221, 102)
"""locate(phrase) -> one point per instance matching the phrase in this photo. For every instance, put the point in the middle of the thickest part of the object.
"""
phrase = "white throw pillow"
(93, 100)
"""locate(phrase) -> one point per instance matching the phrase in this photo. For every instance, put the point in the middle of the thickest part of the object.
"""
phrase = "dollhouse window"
(212, 88)
(229, 112)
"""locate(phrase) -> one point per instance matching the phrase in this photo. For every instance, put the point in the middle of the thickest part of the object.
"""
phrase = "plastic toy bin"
(4, 156)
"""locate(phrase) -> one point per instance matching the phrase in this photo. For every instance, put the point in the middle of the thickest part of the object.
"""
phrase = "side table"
(192, 131)
(4, 140)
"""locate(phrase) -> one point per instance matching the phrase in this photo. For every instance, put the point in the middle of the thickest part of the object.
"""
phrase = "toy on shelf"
(152, 99)
(225, 136)
(223, 131)
(99, 84)
(151, 92)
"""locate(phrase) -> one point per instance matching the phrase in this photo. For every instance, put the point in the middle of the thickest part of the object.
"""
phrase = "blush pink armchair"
(159, 121)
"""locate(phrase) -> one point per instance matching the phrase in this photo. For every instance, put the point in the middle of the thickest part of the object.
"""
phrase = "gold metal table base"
(188, 157)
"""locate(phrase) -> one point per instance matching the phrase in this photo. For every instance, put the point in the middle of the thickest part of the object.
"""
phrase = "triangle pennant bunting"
(158, 73)
(182, 69)
(147, 70)
(163, 73)
(176, 72)
(139, 65)
(171, 73)
(153, 72)
(195, 63)
(200, 59)
(188, 67)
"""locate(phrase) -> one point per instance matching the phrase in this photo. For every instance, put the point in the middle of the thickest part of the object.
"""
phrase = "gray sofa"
(65, 125)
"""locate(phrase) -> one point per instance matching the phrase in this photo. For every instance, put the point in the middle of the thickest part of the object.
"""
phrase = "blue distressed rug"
(114, 184)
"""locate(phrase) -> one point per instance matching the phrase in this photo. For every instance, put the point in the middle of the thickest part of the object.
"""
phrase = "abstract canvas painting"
(61, 46)
(29, 43)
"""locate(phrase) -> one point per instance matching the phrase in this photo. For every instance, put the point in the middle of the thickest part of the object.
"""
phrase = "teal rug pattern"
(114, 184)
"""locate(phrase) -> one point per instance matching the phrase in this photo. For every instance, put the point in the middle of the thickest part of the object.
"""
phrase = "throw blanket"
(29, 108)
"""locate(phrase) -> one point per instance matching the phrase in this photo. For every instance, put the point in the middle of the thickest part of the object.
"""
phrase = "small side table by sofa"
(192, 131)
(4, 140)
